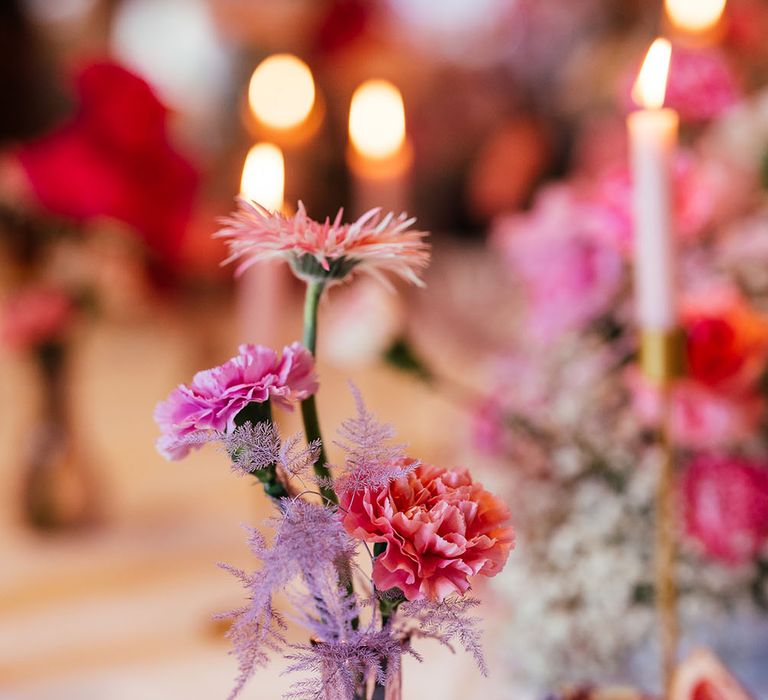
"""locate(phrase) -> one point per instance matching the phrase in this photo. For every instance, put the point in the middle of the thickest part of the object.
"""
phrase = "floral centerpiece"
(579, 432)
(372, 553)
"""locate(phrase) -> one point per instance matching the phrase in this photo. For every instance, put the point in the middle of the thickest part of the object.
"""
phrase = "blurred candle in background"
(263, 178)
(379, 154)
(281, 93)
(653, 139)
(284, 109)
(260, 287)
(694, 17)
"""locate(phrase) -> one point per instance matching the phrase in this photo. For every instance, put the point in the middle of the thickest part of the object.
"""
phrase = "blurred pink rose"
(707, 192)
(570, 277)
(215, 396)
(440, 528)
(702, 418)
(701, 84)
(490, 434)
(726, 506)
(35, 316)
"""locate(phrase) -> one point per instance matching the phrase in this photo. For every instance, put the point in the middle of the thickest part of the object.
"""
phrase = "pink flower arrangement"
(328, 250)
(433, 528)
(569, 275)
(439, 529)
(36, 315)
(215, 396)
(726, 506)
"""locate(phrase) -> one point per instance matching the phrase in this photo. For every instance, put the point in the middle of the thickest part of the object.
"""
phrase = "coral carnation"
(326, 250)
(439, 528)
(215, 396)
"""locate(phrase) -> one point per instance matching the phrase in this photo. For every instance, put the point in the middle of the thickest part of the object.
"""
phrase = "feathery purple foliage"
(447, 622)
(296, 460)
(252, 447)
(336, 668)
(309, 542)
(371, 460)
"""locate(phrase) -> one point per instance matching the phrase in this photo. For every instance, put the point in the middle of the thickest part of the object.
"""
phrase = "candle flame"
(695, 15)
(263, 178)
(281, 92)
(377, 119)
(651, 85)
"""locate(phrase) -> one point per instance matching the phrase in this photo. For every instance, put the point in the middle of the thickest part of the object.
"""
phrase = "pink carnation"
(726, 506)
(35, 316)
(570, 277)
(702, 418)
(215, 396)
(440, 528)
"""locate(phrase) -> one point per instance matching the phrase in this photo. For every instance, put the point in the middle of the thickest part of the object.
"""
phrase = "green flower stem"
(388, 607)
(311, 304)
(308, 406)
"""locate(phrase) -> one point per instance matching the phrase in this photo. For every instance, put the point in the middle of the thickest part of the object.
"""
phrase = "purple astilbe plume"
(371, 460)
(325, 606)
(337, 669)
(295, 459)
(252, 447)
(447, 621)
(309, 542)
(256, 629)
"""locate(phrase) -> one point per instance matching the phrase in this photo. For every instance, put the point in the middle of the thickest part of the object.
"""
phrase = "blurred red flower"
(726, 506)
(114, 159)
(727, 342)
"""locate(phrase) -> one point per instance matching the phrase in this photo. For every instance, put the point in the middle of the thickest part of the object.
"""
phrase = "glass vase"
(58, 486)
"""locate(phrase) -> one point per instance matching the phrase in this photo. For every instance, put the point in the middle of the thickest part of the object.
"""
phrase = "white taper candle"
(653, 140)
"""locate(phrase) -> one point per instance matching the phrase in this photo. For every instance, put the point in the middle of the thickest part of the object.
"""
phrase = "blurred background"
(127, 129)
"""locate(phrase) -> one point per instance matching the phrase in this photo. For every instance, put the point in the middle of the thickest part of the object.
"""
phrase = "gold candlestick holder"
(662, 354)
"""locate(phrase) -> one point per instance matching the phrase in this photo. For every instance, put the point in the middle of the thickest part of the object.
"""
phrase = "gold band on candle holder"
(662, 354)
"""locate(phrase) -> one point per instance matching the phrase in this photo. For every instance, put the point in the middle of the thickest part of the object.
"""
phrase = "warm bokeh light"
(695, 15)
(282, 91)
(377, 119)
(651, 85)
(263, 179)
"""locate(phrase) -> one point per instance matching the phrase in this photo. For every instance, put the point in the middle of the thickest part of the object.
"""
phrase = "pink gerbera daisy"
(326, 251)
